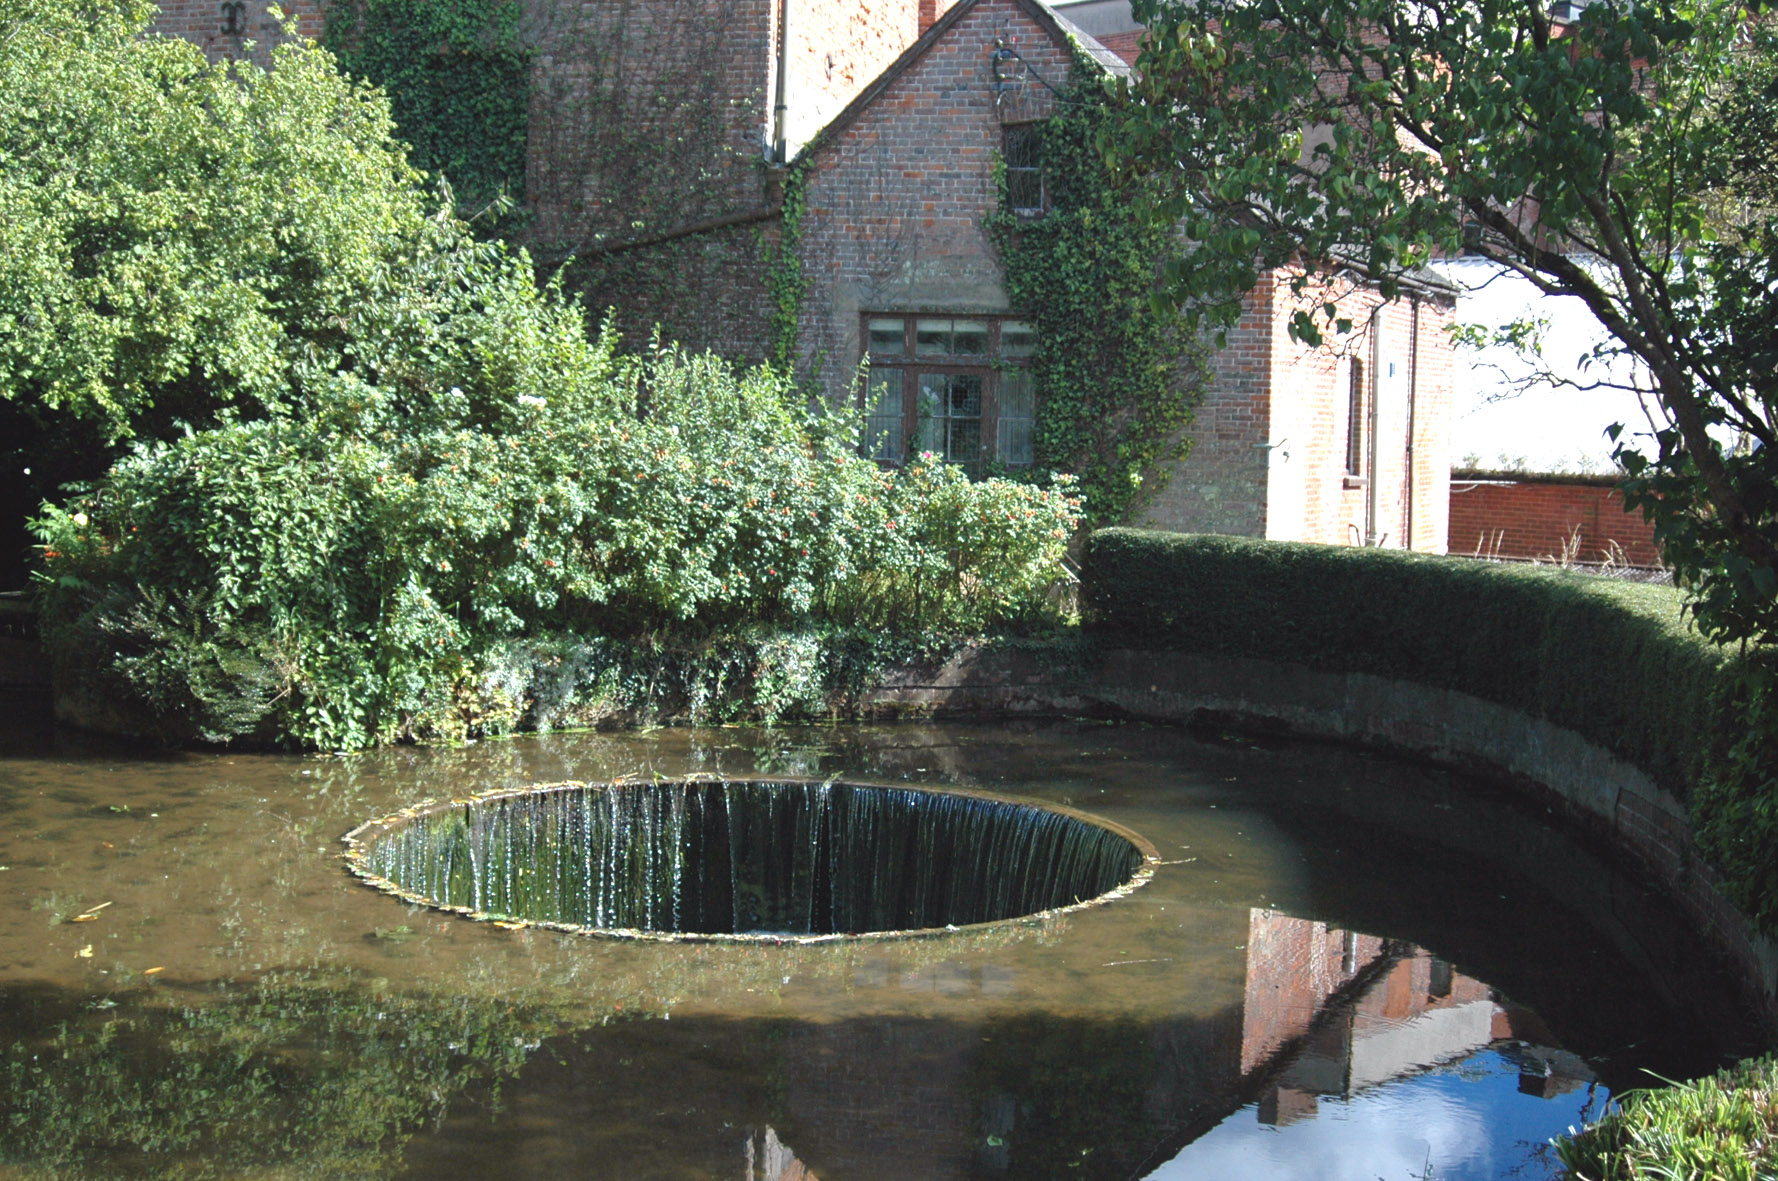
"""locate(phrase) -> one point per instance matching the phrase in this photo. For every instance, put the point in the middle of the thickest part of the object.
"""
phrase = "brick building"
(660, 136)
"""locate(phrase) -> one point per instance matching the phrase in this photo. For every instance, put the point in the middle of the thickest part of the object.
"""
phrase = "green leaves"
(458, 82)
(1622, 158)
(341, 579)
(174, 235)
(1115, 372)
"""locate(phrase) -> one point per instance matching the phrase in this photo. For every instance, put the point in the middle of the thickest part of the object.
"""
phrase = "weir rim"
(756, 859)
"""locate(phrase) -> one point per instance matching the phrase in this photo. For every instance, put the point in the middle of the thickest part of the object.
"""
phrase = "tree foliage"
(179, 241)
(177, 237)
(1621, 158)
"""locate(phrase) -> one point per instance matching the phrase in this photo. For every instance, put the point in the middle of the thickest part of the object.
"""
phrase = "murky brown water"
(1346, 966)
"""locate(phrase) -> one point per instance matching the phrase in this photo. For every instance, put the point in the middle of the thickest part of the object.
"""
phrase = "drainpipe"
(1413, 384)
(780, 144)
(1370, 428)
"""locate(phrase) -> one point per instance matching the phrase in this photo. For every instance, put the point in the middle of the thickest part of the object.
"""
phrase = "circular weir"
(746, 858)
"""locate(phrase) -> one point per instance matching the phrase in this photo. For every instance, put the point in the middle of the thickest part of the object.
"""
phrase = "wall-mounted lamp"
(1003, 67)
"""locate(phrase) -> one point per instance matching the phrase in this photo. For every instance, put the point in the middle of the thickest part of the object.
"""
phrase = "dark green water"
(1344, 966)
(747, 857)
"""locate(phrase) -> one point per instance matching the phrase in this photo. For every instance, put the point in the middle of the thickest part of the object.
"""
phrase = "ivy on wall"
(785, 282)
(1117, 378)
(458, 80)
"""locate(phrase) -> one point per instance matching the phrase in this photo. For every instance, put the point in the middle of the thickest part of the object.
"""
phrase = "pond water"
(1343, 966)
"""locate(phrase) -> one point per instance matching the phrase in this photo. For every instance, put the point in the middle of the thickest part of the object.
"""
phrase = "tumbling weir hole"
(746, 858)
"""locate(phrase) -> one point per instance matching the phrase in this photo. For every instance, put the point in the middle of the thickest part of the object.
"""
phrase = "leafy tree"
(179, 241)
(1622, 158)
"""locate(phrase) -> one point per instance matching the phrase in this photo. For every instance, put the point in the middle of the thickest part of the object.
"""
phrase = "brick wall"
(897, 197)
(1221, 485)
(1537, 519)
(836, 50)
(650, 116)
(1269, 451)
(225, 32)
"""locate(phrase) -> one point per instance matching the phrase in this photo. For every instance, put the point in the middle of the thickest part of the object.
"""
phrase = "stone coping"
(1602, 793)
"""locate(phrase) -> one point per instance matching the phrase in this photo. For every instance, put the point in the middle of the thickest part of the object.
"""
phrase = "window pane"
(1018, 409)
(1024, 190)
(886, 337)
(1355, 420)
(1015, 442)
(882, 416)
(1022, 149)
(930, 432)
(965, 442)
(966, 396)
(932, 338)
(970, 338)
(1017, 339)
(950, 416)
(1022, 145)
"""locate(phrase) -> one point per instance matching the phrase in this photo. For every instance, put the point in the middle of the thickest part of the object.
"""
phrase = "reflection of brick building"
(1352, 1011)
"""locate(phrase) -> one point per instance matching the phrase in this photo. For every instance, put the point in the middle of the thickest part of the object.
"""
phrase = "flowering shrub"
(346, 576)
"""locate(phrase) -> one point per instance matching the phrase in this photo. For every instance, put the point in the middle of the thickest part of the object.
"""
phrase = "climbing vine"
(785, 283)
(1117, 379)
(458, 81)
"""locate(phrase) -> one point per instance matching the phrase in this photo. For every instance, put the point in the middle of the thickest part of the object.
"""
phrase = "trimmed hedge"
(1616, 662)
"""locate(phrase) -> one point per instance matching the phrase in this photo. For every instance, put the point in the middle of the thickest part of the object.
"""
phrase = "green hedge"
(1613, 661)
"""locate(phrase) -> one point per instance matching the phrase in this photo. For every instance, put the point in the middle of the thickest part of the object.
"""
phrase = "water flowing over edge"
(365, 843)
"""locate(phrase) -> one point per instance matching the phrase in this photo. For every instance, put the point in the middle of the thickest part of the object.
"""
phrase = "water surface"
(1345, 966)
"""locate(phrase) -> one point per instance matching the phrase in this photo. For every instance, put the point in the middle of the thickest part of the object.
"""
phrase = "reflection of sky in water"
(1466, 1119)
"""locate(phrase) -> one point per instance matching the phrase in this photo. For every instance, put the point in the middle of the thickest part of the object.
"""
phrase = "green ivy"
(784, 268)
(458, 81)
(1117, 378)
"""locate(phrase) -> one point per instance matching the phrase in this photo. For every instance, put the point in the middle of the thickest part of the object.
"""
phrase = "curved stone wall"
(1593, 788)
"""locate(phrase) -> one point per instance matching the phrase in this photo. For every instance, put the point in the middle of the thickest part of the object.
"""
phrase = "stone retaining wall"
(1596, 790)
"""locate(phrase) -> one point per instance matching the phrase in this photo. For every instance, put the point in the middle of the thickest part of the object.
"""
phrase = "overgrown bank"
(1724, 1127)
(585, 536)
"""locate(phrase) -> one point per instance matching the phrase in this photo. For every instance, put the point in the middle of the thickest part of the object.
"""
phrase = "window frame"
(1034, 129)
(1358, 405)
(904, 370)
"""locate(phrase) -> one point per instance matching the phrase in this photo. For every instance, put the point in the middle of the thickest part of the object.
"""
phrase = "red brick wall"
(1221, 486)
(1536, 519)
(1125, 45)
(649, 116)
(836, 50)
(896, 200)
(202, 21)
(1269, 451)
